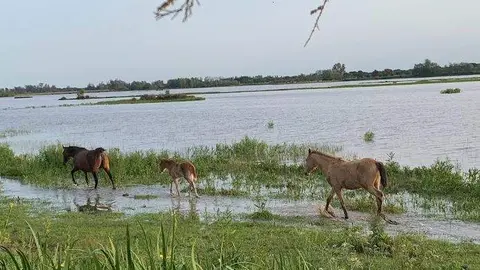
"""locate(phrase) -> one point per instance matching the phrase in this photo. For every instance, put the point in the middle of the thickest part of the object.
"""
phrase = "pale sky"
(76, 42)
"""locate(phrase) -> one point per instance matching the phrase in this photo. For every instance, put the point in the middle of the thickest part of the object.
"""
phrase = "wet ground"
(155, 198)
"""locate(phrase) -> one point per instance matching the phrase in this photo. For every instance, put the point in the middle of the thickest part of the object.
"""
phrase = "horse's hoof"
(392, 222)
(346, 218)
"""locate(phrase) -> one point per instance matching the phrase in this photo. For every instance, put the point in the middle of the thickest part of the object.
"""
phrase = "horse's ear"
(309, 150)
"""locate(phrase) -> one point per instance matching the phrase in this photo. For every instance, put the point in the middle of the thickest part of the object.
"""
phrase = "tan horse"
(178, 170)
(365, 173)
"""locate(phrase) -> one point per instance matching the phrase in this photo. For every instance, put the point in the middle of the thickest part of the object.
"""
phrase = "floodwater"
(415, 122)
(123, 200)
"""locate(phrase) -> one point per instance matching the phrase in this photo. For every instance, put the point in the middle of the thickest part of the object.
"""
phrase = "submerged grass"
(451, 91)
(368, 136)
(12, 132)
(145, 197)
(175, 241)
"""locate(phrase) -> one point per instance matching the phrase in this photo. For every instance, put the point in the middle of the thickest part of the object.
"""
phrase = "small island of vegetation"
(451, 91)
(152, 99)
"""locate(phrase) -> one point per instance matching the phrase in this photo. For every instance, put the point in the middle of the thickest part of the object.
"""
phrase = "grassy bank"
(252, 167)
(152, 99)
(176, 241)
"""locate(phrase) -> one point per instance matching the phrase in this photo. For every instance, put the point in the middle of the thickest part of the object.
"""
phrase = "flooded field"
(435, 221)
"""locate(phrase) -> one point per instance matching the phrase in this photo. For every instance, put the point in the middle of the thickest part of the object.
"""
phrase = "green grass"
(246, 162)
(451, 91)
(173, 241)
(368, 136)
(152, 99)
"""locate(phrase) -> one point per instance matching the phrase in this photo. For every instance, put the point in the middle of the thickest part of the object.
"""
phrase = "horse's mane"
(326, 155)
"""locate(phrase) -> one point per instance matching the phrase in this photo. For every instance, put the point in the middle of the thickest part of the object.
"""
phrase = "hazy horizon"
(75, 44)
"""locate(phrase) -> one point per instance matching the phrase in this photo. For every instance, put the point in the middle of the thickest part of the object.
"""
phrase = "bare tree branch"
(164, 9)
(319, 9)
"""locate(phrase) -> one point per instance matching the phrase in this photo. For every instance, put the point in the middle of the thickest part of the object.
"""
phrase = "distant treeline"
(336, 73)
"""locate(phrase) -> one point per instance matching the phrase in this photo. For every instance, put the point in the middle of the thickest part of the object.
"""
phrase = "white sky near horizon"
(75, 43)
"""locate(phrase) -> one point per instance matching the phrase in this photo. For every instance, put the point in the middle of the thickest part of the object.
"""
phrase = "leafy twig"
(164, 9)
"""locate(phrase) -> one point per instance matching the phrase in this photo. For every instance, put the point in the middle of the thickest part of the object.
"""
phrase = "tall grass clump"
(451, 91)
(368, 136)
(249, 160)
(270, 124)
(442, 179)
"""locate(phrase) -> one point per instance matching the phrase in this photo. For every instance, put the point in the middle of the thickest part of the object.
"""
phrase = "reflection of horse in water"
(89, 207)
(192, 211)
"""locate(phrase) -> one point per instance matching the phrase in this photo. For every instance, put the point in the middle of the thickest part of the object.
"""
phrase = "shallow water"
(433, 223)
(415, 122)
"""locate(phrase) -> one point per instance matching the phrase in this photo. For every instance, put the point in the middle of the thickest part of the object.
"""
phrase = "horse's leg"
(176, 186)
(189, 186)
(192, 187)
(340, 197)
(110, 176)
(86, 178)
(95, 177)
(195, 189)
(73, 178)
(171, 185)
(379, 198)
(329, 200)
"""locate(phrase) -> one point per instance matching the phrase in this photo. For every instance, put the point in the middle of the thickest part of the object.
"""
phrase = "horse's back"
(354, 174)
(188, 169)
(80, 160)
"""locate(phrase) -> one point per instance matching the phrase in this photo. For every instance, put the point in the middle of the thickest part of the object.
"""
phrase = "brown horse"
(178, 170)
(88, 161)
(365, 173)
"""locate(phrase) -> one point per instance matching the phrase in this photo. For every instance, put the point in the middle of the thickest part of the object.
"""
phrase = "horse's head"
(163, 164)
(67, 154)
(310, 163)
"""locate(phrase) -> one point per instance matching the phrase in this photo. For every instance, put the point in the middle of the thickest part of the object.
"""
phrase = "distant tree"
(426, 69)
(338, 71)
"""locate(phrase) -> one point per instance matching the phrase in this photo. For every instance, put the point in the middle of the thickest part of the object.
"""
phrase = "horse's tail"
(190, 168)
(383, 173)
(105, 162)
(99, 156)
(194, 172)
